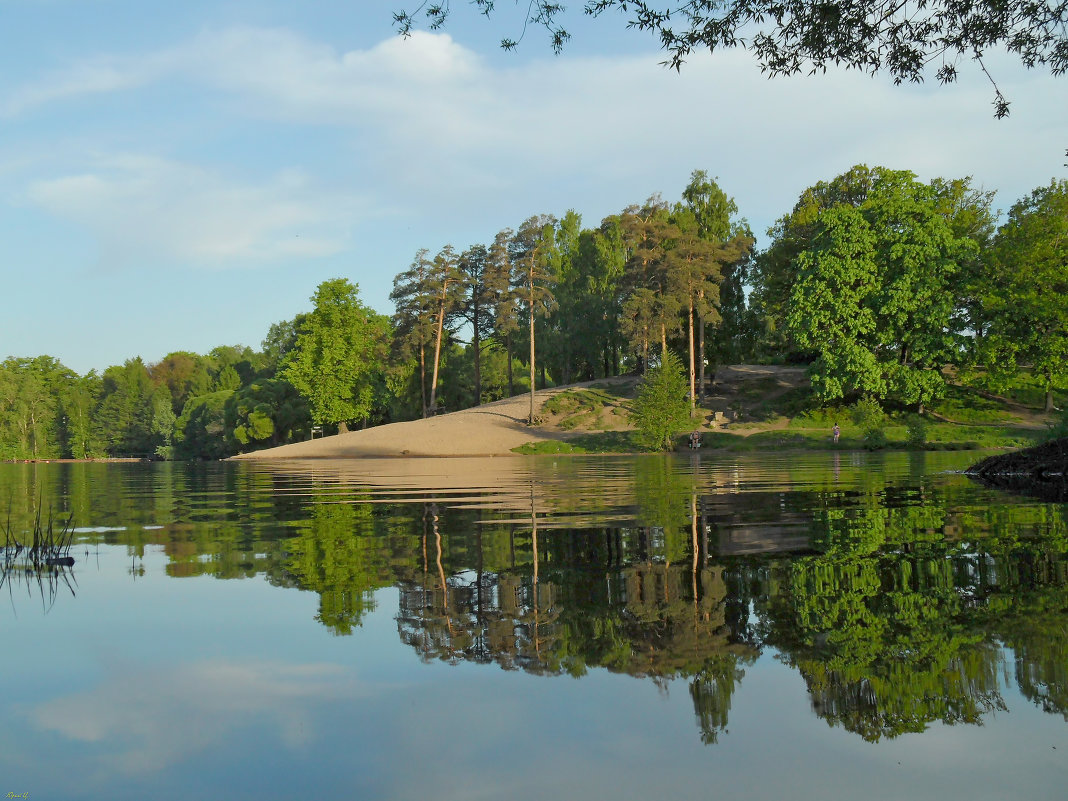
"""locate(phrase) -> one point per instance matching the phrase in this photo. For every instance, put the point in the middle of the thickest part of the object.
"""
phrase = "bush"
(1060, 428)
(662, 408)
(875, 439)
(917, 431)
(869, 416)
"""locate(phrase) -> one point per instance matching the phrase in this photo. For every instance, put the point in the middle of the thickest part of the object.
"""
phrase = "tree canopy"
(336, 352)
(874, 293)
(1026, 291)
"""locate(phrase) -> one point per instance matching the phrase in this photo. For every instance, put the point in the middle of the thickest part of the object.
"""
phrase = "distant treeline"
(876, 280)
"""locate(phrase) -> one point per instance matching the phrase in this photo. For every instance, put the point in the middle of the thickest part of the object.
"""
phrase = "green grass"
(980, 422)
(551, 446)
(1023, 388)
(583, 407)
(599, 442)
(940, 436)
(969, 405)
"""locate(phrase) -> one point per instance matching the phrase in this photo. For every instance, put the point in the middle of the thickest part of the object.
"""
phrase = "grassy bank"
(769, 413)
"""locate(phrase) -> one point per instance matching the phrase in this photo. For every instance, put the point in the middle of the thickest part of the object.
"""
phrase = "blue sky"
(180, 176)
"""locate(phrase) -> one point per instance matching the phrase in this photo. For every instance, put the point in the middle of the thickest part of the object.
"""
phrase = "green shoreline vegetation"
(965, 419)
(922, 316)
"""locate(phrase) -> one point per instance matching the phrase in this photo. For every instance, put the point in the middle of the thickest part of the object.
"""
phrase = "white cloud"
(147, 210)
(92, 77)
(146, 729)
(448, 137)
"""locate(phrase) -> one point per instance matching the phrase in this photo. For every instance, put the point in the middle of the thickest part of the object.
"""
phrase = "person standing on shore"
(836, 431)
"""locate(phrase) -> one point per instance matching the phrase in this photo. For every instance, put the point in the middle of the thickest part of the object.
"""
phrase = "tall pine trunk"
(693, 387)
(530, 420)
(422, 376)
(508, 352)
(437, 350)
(477, 342)
(701, 356)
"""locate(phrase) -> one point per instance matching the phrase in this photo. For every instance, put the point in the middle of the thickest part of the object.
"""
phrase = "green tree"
(531, 248)
(200, 432)
(971, 215)
(77, 406)
(280, 340)
(598, 267)
(30, 406)
(564, 330)
(661, 410)
(338, 350)
(413, 321)
(714, 214)
(127, 409)
(693, 278)
(184, 374)
(775, 270)
(443, 283)
(1026, 291)
(477, 305)
(266, 413)
(505, 297)
(874, 294)
(648, 232)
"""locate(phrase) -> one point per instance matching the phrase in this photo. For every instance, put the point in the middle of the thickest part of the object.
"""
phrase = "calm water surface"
(812, 626)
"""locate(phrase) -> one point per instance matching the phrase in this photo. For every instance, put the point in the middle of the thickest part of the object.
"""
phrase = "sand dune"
(489, 430)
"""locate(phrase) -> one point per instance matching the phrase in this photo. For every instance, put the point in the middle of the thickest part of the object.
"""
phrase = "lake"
(801, 626)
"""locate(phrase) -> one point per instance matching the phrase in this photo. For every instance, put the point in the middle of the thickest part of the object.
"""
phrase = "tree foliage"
(533, 276)
(265, 413)
(874, 294)
(1025, 294)
(338, 349)
(661, 410)
(874, 279)
(904, 41)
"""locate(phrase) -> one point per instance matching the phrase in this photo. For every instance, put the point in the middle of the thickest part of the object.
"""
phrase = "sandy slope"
(489, 430)
(495, 428)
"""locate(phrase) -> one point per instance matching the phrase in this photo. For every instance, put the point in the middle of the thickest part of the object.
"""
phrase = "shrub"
(869, 416)
(1060, 429)
(662, 408)
(917, 431)
(875, 439)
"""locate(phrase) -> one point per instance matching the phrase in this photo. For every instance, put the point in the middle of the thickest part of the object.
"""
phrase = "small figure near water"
(836, 432)
(695, 439)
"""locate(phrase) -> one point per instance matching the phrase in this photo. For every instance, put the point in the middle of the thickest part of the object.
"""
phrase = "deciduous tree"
(339, 347)
(874, 293)
(1026, 292)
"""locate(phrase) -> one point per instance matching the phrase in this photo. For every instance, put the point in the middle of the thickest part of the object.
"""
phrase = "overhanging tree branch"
(900, 38)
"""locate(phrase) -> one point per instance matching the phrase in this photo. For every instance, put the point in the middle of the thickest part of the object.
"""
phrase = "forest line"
(876, 280)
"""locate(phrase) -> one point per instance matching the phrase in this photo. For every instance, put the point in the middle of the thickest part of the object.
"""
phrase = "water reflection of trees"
(895, 613)
(896, 601)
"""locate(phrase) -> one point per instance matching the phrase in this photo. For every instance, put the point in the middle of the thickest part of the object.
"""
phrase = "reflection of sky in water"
(162, 688)
(147, 686)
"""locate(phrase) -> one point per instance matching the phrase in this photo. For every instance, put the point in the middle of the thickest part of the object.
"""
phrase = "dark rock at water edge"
(1041, 470)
